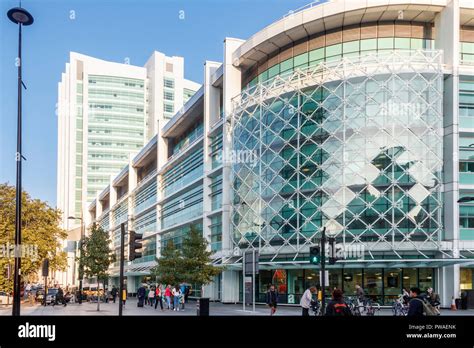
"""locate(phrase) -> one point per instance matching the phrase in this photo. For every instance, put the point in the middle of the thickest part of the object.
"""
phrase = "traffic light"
(315, 255)
(135, 242)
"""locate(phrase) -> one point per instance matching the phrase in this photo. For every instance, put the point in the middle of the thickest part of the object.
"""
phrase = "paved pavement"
(131, 308)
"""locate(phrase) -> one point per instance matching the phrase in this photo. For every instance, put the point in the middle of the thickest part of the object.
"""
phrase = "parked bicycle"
(399, 307)
(366, 307)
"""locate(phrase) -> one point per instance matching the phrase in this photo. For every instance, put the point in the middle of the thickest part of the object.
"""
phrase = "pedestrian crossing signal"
(315, 255)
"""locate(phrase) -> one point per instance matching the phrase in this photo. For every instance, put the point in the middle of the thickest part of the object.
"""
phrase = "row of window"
(336, 52)
(184, 172)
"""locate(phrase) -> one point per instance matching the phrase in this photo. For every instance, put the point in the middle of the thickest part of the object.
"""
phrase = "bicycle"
(371, 308)
(316, 308)
(399, 308)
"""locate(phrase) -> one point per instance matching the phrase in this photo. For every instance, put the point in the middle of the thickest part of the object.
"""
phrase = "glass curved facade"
(350, 41)
(354, 145)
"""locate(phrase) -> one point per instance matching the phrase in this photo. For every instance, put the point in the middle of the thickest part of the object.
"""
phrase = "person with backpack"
(337, 306)
(417, 307)
(272, 299)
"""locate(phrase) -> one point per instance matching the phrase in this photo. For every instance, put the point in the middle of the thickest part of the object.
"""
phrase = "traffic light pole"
(323, 270)
(122, 252)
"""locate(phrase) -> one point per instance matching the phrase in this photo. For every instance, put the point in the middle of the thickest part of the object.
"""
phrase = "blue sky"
(110, 30)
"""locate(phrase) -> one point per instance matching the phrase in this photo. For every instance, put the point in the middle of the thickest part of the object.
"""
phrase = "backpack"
(341, 309)
(428, 309)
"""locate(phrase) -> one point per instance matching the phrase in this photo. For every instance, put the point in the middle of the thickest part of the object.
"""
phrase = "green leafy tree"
(169, 267)
(41, 235)
(97, 255)
(197, 262)
(191, 264)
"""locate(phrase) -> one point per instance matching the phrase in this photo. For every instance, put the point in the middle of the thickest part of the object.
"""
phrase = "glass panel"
(426, 278)
(301, 59)
(316, 54)
(402, 43)
(385, 43)
(352, 277)
(352, 46)
(286, 65)
(368, 44)
(274, 70)
(311, 278)
(333, 50)
(296, 283)
(373, 283)
(466, 279)
(279, 280)
(416, 44)
(392, 281)
(335, 280)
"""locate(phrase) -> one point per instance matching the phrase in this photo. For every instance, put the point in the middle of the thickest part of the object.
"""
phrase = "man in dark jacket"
(141, 295)
(415, 306)
(272, 299)
(114, 293)
(337, 306)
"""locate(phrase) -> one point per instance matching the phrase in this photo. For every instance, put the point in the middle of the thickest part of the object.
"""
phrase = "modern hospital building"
(357, 116)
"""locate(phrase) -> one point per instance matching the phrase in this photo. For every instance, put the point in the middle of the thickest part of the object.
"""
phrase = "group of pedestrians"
(166, 296)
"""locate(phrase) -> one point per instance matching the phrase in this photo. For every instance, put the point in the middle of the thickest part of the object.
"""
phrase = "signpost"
(250, 269)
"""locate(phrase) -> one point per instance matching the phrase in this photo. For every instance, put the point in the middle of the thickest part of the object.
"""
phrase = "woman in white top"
(176, 297)
(151, 296)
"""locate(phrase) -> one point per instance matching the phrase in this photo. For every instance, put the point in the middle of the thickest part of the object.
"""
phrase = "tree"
(192, 263)
(97, 256)
(41, 236)
(169, 267)
(197, 262)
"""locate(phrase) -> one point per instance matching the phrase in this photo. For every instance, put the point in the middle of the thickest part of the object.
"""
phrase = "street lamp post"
(81, 266)
(21, 17)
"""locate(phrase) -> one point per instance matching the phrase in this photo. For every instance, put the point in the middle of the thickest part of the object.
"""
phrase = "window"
(168, 95)
(466, 167)
(368, 45)
(169, 83)
(352, 46)
(466, 216)
(169, 107)
(385, 43)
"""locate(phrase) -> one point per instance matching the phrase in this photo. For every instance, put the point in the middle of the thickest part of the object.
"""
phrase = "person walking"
(337, 306)
(151, 296)
(360, 294)
(168, 296)
(434, 300)
(147, 290)
(176, 296)
(141, 296)
(415, 306)
(114, 293)
(187, 293)
(124, 297)
(182, 300)
(272, 299)
(306, 300)
(159, 296)
(27, 291)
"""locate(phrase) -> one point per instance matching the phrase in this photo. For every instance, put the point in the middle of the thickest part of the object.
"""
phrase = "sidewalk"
(216, 308)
